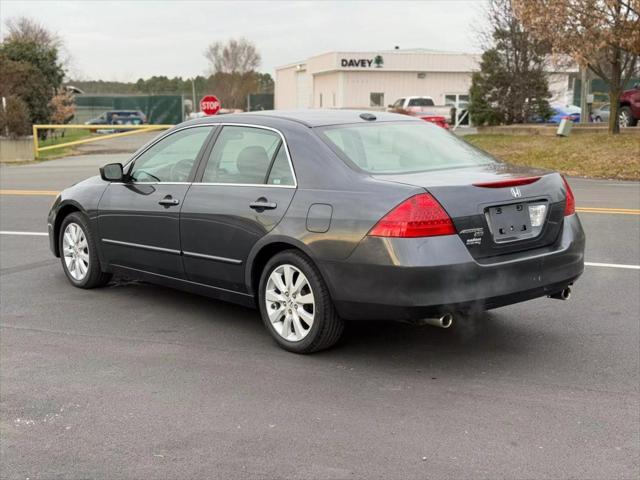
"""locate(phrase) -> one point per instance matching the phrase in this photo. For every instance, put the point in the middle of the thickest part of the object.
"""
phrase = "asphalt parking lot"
(139, 381)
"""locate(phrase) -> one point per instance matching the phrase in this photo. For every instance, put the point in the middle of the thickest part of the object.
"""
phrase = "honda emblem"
(515, 191)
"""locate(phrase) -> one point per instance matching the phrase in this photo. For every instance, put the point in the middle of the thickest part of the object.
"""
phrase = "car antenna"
(368, 116)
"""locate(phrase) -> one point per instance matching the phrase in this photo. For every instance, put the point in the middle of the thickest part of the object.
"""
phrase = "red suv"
(630, 107)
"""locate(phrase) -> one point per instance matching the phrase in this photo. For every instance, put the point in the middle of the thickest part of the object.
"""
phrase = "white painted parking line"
(588, 264)
(35, 234)
(612, 265)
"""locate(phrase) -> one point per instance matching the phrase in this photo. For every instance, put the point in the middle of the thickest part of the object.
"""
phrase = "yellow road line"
(613, 211)
(611, 208)
(30, 192)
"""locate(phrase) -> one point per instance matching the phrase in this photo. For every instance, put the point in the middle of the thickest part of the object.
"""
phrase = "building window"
(320, 100)
(376, 99)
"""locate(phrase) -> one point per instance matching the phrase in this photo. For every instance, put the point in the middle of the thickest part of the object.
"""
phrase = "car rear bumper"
(409, 279)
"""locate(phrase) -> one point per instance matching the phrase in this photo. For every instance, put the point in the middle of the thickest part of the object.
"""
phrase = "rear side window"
(421, 102)
(402, 147)
(244, 155)
(280, 173)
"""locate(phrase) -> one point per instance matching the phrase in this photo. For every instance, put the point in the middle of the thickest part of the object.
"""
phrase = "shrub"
(14, 118)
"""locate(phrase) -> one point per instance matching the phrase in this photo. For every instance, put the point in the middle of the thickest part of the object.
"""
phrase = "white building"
(373, 80)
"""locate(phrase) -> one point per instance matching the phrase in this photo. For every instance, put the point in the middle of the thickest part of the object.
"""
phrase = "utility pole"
(584, 93)
(193, 95)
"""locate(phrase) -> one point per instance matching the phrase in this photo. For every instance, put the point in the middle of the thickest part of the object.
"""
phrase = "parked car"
(119, 117)
(559, 112)
(320, 216)
(630, 107)
(601, 114)
(436, 120)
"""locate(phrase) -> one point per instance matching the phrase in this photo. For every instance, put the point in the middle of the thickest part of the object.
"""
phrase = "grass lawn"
(584, 155)
(55, 138)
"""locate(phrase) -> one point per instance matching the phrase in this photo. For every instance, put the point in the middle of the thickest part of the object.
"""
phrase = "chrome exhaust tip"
(564, 294)
(444, 321)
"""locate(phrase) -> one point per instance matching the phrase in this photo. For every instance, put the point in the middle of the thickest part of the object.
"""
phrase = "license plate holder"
(510, 222)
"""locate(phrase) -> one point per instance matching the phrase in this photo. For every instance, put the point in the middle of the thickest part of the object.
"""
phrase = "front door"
(246, 185)
(138, 220)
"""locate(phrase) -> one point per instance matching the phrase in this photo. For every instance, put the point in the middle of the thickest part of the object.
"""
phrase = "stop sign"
(209, 105)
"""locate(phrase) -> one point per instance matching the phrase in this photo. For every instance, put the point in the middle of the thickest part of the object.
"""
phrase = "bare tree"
(603, 35)
(24, 29)
(235, 56)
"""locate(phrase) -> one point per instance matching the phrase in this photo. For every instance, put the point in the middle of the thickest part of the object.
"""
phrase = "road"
(139, 381)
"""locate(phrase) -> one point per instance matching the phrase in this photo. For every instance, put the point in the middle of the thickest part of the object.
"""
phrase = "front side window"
(399, 103)
(242, 155)
(402, 147)
(172, 158)
(376, 99)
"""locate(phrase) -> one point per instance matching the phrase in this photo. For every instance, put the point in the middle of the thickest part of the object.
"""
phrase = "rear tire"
(295, 304)
(626, 118)
(79, 253)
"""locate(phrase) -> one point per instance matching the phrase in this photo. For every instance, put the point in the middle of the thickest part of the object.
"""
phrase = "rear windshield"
(420, 102)
(402, 147)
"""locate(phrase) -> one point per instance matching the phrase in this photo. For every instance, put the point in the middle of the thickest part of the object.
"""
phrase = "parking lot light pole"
(193, 95)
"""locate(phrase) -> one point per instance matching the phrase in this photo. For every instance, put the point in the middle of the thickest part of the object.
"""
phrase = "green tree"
(25, 81)
(511, 86)
(265, 83)
(29, 50)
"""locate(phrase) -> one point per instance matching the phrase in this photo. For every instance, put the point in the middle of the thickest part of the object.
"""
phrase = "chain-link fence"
(158, 109)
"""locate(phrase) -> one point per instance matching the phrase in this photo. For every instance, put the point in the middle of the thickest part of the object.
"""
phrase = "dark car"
(119, 117)
(317, 217)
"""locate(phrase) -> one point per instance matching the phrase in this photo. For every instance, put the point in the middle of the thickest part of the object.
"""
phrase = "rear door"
(244, 187)
(138, 220)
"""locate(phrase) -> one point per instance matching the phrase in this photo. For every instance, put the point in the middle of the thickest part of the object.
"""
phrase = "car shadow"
(501, 338)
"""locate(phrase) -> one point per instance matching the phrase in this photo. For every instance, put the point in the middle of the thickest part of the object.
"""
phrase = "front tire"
(295, 304)
(626, 118)
(79, 254)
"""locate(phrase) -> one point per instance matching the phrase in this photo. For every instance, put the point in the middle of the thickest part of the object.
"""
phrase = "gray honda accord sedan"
(317, 217)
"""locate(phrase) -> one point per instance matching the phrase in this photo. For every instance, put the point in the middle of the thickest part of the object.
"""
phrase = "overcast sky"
(126, 40)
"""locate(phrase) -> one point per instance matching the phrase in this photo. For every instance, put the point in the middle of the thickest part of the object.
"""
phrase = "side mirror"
(112, 172)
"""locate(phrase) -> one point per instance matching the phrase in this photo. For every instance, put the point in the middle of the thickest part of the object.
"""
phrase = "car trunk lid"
(497, 209)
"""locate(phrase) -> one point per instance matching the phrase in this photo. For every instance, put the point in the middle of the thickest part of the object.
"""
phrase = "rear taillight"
(570, 205)
(418, 216)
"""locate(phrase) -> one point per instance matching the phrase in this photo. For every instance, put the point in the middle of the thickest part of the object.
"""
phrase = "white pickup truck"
(423, 107)
(420, 105)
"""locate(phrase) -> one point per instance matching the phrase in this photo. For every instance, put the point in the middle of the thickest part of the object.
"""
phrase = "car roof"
(309, 118)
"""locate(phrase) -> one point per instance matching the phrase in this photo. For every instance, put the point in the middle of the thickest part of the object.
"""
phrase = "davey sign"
(209, 105)
(376, 62)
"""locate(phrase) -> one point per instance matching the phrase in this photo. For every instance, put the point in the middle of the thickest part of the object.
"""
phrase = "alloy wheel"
(76, 251)
(624, 119)
(290, 302)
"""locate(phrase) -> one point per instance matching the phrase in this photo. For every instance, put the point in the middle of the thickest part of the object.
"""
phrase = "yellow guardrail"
(134, 129)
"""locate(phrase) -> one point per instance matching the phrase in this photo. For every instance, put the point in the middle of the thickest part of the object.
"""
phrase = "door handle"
(262, 204)
(168, 201)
